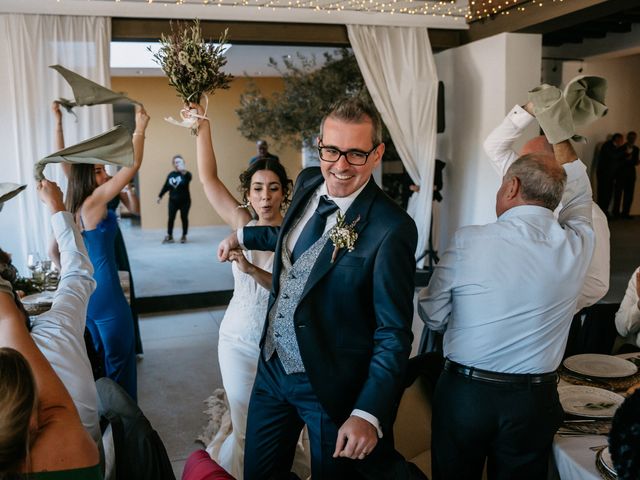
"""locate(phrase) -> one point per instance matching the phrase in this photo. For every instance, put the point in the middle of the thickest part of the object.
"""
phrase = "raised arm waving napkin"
(87, 92)
(112, 147)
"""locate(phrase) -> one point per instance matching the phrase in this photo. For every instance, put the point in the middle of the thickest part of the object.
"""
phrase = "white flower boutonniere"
(343, 235)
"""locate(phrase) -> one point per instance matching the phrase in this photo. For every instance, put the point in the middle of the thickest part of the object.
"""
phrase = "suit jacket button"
(280, 315)
(292, 276)
(277, 335)
(285, 296)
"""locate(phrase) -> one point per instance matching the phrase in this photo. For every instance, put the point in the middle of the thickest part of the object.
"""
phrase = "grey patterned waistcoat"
(281, 333)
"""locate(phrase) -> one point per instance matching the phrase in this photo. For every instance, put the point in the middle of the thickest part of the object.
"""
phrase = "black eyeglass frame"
(343, 153)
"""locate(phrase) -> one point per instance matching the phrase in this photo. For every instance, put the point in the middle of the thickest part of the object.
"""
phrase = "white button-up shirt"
(59, 333)
(505, 293)
(628, 316)
(498, 147)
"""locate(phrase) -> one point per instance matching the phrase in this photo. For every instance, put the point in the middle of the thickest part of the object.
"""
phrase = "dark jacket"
(353, 322)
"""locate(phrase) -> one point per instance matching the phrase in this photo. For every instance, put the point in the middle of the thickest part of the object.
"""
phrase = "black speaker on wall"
(440, 108)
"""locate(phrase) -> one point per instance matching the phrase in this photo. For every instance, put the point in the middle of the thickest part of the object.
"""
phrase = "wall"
(483, 80)
(165, 140)
(624, 115)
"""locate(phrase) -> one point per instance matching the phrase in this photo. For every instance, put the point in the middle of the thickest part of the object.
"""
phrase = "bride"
(265, 189)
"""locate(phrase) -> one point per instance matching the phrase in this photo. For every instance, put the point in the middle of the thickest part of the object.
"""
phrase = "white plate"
(596, 365)
(605, 460)
(589, 402)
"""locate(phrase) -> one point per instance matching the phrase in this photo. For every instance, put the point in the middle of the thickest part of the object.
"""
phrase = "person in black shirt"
(177, 184)
(263, 153)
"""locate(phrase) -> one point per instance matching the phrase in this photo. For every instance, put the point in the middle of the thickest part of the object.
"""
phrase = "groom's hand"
(226, 245)
(356, 439)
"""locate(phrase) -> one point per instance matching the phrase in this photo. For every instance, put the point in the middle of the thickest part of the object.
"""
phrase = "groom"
(338, 330)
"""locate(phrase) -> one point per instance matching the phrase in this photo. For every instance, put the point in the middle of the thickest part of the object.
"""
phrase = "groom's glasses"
(353, 157)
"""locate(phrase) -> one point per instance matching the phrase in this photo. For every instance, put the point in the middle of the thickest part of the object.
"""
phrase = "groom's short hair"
(355, 110)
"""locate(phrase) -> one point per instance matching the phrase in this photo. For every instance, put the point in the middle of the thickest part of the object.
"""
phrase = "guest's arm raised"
(105, 192)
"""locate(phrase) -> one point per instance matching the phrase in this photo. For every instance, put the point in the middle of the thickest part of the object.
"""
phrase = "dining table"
(574, 455)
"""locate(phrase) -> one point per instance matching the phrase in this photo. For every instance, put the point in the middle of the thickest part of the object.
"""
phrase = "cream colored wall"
(164, 140)
(624, 115)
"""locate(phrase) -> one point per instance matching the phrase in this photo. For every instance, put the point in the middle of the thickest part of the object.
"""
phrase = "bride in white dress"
(265, 188)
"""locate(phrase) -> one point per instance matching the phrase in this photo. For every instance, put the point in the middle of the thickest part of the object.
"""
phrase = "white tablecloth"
(574, 460)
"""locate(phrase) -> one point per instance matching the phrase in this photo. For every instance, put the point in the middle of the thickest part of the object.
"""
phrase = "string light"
(435, 8)
(482, 9)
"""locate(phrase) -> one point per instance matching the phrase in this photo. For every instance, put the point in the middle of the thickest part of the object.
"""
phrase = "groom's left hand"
(356, 439)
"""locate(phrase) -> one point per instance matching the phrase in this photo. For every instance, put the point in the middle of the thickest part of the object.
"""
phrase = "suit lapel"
(359, 208)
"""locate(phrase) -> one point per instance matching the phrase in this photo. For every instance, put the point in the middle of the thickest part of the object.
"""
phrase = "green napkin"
(85, 91)
(112, 147)
(585, 96)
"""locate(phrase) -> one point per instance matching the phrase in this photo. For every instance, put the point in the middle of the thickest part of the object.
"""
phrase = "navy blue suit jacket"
(353, 321)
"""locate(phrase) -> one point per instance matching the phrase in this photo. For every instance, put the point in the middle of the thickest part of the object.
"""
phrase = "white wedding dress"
(238, 353)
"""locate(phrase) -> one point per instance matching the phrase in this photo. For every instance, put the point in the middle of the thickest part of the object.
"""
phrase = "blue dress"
(109, 316)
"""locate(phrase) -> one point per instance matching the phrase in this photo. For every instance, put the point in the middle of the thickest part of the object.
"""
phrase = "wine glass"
(33, 262)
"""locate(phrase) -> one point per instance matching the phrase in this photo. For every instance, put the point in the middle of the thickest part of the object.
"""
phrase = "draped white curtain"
(399, 71)
(28, 45)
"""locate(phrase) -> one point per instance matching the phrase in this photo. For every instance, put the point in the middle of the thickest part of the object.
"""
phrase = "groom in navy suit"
(338, 331)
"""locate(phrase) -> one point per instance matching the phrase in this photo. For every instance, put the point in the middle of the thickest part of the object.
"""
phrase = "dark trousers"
(509, 425)
(605, 190)
(280, 405)
(183, 206)
(623, 192)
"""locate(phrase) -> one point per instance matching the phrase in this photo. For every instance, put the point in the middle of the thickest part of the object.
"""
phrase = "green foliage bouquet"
(192, 64)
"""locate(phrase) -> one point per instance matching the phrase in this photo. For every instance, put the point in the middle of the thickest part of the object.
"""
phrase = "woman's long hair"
(17, 403)
(82, 183)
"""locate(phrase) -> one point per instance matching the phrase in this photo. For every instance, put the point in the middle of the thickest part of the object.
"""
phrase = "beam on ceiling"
(263, 33)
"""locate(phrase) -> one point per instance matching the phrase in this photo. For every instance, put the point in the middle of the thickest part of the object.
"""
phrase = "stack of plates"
(592, 402)
(603, 366)
(604, 462)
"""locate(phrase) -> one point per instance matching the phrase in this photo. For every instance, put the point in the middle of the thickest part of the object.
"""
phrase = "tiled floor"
(178, 371)
(172, 269)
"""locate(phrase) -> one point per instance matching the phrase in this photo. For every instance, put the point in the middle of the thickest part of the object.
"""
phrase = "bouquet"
(192, 64)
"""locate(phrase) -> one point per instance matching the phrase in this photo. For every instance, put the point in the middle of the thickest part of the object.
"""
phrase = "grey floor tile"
(178, 372)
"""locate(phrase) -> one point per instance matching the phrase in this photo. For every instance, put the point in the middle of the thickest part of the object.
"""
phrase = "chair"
(138, 452)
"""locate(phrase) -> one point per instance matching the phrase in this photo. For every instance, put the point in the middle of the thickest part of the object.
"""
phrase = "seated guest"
(628, 316)
(40, 430)
(624, 439)
(59, 332)
(504, 295)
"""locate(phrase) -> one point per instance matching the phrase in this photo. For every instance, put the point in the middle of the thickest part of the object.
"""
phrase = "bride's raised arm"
(219, 196)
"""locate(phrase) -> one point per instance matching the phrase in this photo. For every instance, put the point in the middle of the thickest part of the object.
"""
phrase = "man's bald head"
(538, 144)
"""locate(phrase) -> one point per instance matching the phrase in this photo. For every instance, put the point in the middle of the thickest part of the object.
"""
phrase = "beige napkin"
(112, 147)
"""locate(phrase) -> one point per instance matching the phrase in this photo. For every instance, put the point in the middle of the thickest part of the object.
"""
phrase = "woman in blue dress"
(109, 315)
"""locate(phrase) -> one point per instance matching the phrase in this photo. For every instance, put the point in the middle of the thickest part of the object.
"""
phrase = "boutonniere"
(343, 235)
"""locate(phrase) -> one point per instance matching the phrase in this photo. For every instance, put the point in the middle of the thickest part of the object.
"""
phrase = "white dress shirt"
(628, 316)
(59, 333)
(505, 293)
(498, 146)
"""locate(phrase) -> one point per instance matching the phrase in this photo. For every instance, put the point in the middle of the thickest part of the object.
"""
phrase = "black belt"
(497, 377)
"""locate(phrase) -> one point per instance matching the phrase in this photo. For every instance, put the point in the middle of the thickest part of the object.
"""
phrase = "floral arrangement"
(343, 235)
(192, 64)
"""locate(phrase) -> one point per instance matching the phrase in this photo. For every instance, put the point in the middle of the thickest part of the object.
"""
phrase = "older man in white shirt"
(499, 147)
(504, 295)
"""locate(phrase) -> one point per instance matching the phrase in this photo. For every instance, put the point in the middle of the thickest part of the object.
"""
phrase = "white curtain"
(399, 71)
(28, 45)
